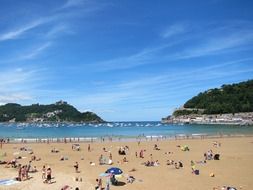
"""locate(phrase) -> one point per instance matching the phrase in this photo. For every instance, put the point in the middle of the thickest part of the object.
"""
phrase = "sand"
(234, 168)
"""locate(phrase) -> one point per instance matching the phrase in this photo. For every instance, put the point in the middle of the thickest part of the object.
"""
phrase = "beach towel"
(8, 182)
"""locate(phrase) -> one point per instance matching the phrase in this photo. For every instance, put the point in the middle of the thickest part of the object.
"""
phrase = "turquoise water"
(116, 129)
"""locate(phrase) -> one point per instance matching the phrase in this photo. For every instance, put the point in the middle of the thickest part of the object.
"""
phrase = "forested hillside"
(232, 98)
(60, 112)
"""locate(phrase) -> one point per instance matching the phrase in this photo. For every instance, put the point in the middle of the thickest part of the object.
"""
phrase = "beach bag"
(196, 172)
(216, 157)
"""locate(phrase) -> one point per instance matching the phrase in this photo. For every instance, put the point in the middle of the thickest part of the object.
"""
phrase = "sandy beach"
(233, 169)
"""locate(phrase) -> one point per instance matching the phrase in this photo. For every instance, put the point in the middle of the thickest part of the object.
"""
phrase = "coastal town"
(222, 119)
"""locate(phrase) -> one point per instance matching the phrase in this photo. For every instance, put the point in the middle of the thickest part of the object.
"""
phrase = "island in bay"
(230, 104)
(60, 111)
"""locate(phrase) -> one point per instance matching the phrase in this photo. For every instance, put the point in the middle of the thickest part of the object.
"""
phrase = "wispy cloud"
(215, 42)
(161, 88)
(33, 53)
(73, 3)
(16, 84)
(18, 32)
(174, 30)
(59, 30)
(143, 57)
(217, 45)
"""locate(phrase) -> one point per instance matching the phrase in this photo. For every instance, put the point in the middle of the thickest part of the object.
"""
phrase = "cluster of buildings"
(231, 119)
(44, 117)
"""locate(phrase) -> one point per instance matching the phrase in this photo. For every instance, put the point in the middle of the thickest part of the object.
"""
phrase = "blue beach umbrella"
(114, 171)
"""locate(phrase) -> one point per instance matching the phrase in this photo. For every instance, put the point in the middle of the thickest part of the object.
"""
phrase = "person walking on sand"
(76, 167)
(89, 150)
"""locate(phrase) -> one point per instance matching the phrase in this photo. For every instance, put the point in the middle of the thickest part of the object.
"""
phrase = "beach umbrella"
(105, 175)
(114, 171)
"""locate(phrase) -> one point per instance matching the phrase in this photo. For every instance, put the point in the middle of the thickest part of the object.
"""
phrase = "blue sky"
(124, 60)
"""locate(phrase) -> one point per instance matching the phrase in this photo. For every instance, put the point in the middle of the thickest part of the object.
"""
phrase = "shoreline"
(103, 139)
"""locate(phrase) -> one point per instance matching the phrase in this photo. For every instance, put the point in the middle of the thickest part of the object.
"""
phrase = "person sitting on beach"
(170, 162)
(147, 163)
(110, 162)
(224, 188)
(66, 187)
(13, 163)
(193, 167)
(156, 147)
(54, 150)
(156, 163)
(201, 162)
(130, 179)
(124, 160)
(180, 164)
(209, 155)
(33, 158)
(216, 144)
(122, 151)
(101, 160)
(176, 165)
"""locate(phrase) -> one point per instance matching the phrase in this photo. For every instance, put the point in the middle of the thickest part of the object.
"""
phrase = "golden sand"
(235, 167)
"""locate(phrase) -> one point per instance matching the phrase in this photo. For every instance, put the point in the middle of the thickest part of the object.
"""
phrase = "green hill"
(58, 112)
(232, 98)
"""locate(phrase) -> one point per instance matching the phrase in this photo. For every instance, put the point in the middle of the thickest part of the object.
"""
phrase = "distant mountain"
(59, 112)
(232, 98)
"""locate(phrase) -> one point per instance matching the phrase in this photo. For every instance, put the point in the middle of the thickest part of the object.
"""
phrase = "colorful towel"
(8, 182)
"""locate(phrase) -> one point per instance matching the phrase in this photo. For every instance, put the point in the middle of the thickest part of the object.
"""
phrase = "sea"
(117, 130)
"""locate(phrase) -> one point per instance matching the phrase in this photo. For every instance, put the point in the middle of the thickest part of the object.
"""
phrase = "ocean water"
(116, 129)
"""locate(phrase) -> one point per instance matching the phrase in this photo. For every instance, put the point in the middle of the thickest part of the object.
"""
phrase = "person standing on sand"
(89, 150)
(107, 186)
(19, 172)
(43, 176)
(1, 141)
(99, 184)
(49, 175)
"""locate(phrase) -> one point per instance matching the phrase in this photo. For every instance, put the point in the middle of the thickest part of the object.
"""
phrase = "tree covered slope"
(227, 99)
(60, 112)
